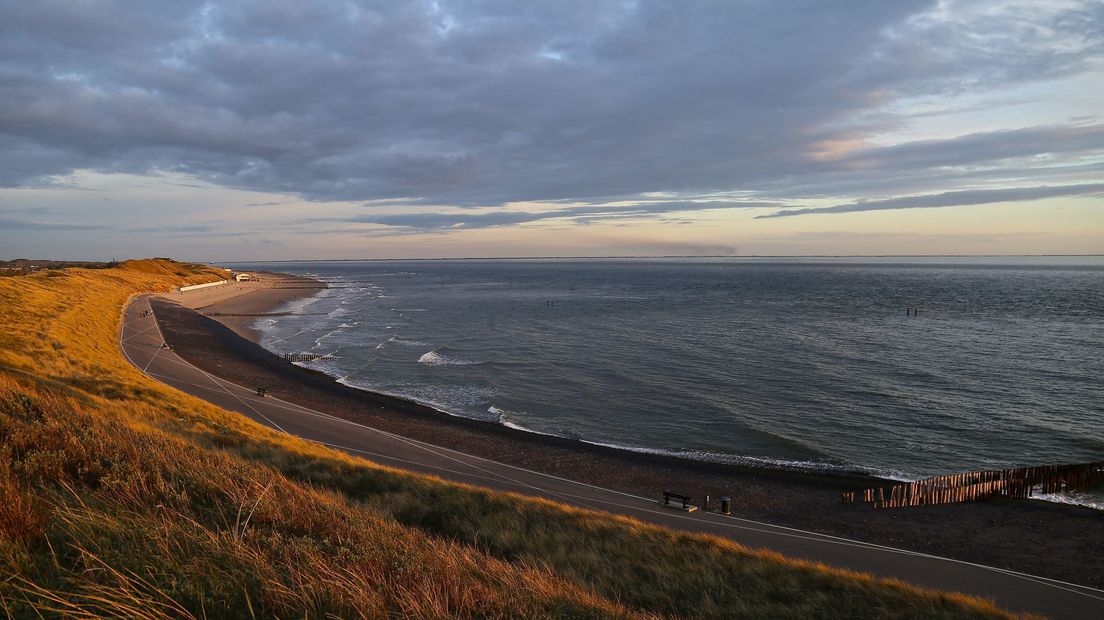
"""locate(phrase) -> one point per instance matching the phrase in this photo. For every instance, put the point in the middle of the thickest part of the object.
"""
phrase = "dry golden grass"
(122, 497)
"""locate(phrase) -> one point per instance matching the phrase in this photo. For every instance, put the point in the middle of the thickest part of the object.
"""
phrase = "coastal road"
(142, 345)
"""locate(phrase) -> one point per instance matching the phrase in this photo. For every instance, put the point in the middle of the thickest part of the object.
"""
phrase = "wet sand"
(1061, 542)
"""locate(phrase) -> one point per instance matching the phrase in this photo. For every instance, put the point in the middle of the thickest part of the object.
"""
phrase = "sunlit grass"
(122, 497)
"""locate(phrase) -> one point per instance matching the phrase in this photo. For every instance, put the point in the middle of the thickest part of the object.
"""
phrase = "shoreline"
(238, 305)
(1030, 536)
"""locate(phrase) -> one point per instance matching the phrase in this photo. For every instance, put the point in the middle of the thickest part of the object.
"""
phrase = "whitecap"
(396, 340)
(502, 417)
(438, 357)
(754, 461)
(1075, 498)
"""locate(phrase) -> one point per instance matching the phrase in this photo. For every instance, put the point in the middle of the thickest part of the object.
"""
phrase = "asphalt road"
(141, 343)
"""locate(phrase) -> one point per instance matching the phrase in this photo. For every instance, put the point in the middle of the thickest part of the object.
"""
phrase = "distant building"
(245, 277)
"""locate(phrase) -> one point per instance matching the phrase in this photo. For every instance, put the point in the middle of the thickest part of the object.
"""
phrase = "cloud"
(962, 45)
(268, 203)
(483, 104)
(589, 213)
(11, 224)
(976, 148)
(170, 228)
(951, 199)
(33, 211)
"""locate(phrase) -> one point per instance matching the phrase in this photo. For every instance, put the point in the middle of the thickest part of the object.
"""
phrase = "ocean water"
(779, 362)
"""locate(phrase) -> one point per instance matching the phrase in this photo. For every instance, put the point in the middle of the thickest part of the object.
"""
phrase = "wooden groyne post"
(1020, 482)
(306, 357)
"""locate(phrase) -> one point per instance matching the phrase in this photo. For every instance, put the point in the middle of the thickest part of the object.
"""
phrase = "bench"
(677, 500)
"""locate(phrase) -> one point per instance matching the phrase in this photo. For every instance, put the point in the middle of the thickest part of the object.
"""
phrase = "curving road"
(141, 343)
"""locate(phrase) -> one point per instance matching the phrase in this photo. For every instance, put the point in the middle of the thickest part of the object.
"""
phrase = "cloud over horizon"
(951, 199)
(13, 224)
(452, 105)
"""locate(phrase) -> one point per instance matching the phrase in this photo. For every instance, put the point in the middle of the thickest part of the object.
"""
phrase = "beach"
(238, 304)
(1056, 541)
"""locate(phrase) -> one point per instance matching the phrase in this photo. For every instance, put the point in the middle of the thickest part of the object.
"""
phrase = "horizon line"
(625, 256)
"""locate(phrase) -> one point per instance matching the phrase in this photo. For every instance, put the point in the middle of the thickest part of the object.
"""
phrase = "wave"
(1079, 498)
(336, 332)
(339, 312)
(444, 405)
(758, 461)
(402, 341)
(502, 417)
(438, 358)
(298, 306)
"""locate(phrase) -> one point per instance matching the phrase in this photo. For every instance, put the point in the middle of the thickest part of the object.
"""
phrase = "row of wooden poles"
(305, 357)
(1020, 482)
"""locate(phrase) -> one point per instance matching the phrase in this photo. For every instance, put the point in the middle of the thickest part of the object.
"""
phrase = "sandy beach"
(238, 304)
(1061, 542)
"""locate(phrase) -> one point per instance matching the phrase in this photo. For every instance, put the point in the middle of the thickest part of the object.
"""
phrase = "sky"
(281, 129)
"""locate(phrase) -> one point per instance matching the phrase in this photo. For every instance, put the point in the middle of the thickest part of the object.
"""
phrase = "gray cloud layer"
(427, 221)
(481, 103)
(13, 224)
(952, 199)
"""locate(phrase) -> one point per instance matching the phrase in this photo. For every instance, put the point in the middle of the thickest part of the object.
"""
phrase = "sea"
(897, 367)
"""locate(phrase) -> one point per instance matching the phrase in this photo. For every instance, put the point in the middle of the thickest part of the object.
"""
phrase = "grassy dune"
(122, 497)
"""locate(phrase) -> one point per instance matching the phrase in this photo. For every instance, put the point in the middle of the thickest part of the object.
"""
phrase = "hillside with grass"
(122, 497)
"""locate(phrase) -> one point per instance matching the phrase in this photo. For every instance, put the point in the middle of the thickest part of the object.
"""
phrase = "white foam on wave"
(432, 359)
(502, 416)
(445, 401)
(1095, 501)
(297, 306)
(435, 358)
(396, 340)
(751, 461)
(333, 333)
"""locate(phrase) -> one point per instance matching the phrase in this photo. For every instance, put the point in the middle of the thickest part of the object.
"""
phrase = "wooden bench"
(678, 500)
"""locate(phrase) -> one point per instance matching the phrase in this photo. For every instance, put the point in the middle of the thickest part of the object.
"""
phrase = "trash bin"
(726, 505)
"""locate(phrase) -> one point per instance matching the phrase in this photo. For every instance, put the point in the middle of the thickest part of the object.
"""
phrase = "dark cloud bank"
(482, 103)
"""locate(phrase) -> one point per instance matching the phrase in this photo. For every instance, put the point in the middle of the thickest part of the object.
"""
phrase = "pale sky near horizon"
(258, 130)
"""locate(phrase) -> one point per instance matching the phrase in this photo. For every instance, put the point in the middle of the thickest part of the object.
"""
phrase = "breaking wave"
(402, 342)
(437, 357)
